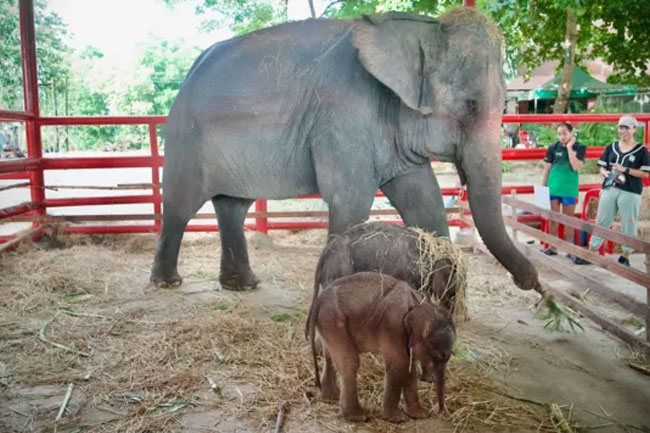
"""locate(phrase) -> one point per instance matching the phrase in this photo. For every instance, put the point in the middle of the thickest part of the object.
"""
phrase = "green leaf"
(281, 317)
(77, 298)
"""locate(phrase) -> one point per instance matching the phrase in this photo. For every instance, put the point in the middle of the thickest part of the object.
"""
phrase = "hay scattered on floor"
(150, 360)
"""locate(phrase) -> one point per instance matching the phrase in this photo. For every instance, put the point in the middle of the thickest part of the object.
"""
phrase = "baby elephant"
(431, 265)
(370, 312)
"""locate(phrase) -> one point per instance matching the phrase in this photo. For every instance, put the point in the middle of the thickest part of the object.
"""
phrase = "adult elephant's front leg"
(348, 209)
(235, 273)
(416, 196)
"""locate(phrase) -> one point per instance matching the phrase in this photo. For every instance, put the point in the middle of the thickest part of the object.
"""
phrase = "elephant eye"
(471, 107)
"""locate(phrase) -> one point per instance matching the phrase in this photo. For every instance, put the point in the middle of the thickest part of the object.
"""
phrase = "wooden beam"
(569, 270)
(624, 271)
(608, 325)
(139, 217)
(638, 244)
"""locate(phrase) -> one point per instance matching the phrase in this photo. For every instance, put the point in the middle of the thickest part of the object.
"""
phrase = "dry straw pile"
(433, 250)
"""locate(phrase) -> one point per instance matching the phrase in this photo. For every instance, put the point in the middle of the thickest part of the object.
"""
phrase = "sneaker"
(624, 261)
(549, 252)
(579, 261)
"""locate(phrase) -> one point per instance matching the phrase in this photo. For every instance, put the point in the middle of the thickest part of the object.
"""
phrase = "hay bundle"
(434, 250)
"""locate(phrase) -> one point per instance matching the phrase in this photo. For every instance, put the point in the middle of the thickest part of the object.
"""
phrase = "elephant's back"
(372, 247)
(386, 248)
(259, 68)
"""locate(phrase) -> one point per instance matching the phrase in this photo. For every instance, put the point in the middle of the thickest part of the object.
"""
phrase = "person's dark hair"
(566, 125)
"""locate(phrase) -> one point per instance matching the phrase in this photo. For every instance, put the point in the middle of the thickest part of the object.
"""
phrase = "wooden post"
(261, 223)
(513, 206)
(155, 176)
(30, 94)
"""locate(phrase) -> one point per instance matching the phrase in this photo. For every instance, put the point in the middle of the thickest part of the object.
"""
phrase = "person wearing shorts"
(630, 160)
(563, 160)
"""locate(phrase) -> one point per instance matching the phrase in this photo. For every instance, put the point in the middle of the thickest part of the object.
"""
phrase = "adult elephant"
(339, 108)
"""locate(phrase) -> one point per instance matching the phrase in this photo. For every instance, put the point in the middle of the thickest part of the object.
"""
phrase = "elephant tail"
(311, 330)
(317, 284)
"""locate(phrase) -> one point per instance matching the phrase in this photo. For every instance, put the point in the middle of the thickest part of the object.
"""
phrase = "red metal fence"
(33, 167)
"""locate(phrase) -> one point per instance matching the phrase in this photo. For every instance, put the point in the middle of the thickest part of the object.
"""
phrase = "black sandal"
(549, 252)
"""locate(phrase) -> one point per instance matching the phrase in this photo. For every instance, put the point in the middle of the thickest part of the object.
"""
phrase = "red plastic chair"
(595, 193)
(545, 227)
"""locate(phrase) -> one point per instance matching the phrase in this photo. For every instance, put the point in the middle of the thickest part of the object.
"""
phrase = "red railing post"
(30, 94)
(261, 223)
(155, 176)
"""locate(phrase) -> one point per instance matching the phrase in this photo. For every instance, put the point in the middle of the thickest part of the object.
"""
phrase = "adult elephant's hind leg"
(236, 273)
(417, 197)
(178, 209)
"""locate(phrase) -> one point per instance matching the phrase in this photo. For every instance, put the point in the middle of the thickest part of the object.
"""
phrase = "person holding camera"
(623, 164)
(563, 160)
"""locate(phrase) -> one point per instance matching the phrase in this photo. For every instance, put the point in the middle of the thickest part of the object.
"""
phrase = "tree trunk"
(563, 93)
(311, 8)
(67, 136)
(57, 145)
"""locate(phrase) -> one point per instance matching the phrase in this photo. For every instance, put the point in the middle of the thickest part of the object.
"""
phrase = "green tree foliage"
(241, 16)
(168, 65)
(615, 30)
(353, 9)
(51, 51)
(147, 88)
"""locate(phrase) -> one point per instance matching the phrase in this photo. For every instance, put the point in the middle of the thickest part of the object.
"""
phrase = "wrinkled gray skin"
(371, 312)
(387, 249)
(339, 108)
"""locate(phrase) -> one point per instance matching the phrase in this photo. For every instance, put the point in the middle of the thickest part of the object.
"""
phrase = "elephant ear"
(392, 48)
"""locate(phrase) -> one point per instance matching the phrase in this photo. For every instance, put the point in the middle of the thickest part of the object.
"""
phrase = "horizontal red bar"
(101, 162)
(90, 201)
(16, 210)
(133, 199)
(538, 153)
(213, 227)
(4, 239)
(16, 165)
(145, 120)
(105, 230)
(530, 189)
(102, 120)
(15, 115)
(20, 165)
(113, 229)
(573, 118)
(15, 175)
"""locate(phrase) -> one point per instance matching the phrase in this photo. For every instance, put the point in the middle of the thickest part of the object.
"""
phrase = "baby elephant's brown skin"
(370, 312)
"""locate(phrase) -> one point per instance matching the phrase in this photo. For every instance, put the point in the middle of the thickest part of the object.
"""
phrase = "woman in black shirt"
(623, 164)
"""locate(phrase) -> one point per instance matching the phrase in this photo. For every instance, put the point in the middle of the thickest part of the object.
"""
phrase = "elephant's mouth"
(428, 373)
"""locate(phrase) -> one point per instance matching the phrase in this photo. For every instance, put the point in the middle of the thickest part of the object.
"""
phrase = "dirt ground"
(199, 359)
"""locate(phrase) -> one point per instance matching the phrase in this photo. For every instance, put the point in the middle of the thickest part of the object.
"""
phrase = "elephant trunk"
(482, 166)
(440, 369)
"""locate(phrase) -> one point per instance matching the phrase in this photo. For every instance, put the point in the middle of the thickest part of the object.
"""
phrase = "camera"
(614, 178)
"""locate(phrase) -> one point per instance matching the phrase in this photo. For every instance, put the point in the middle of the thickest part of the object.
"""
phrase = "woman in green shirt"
(563, 160)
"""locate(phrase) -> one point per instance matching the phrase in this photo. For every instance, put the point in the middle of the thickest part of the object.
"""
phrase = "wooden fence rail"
(579, 277)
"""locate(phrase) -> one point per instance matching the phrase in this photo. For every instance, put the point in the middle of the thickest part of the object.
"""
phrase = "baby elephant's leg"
(410, 390)
(329, 387)
(346, 359)
(397, 379)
